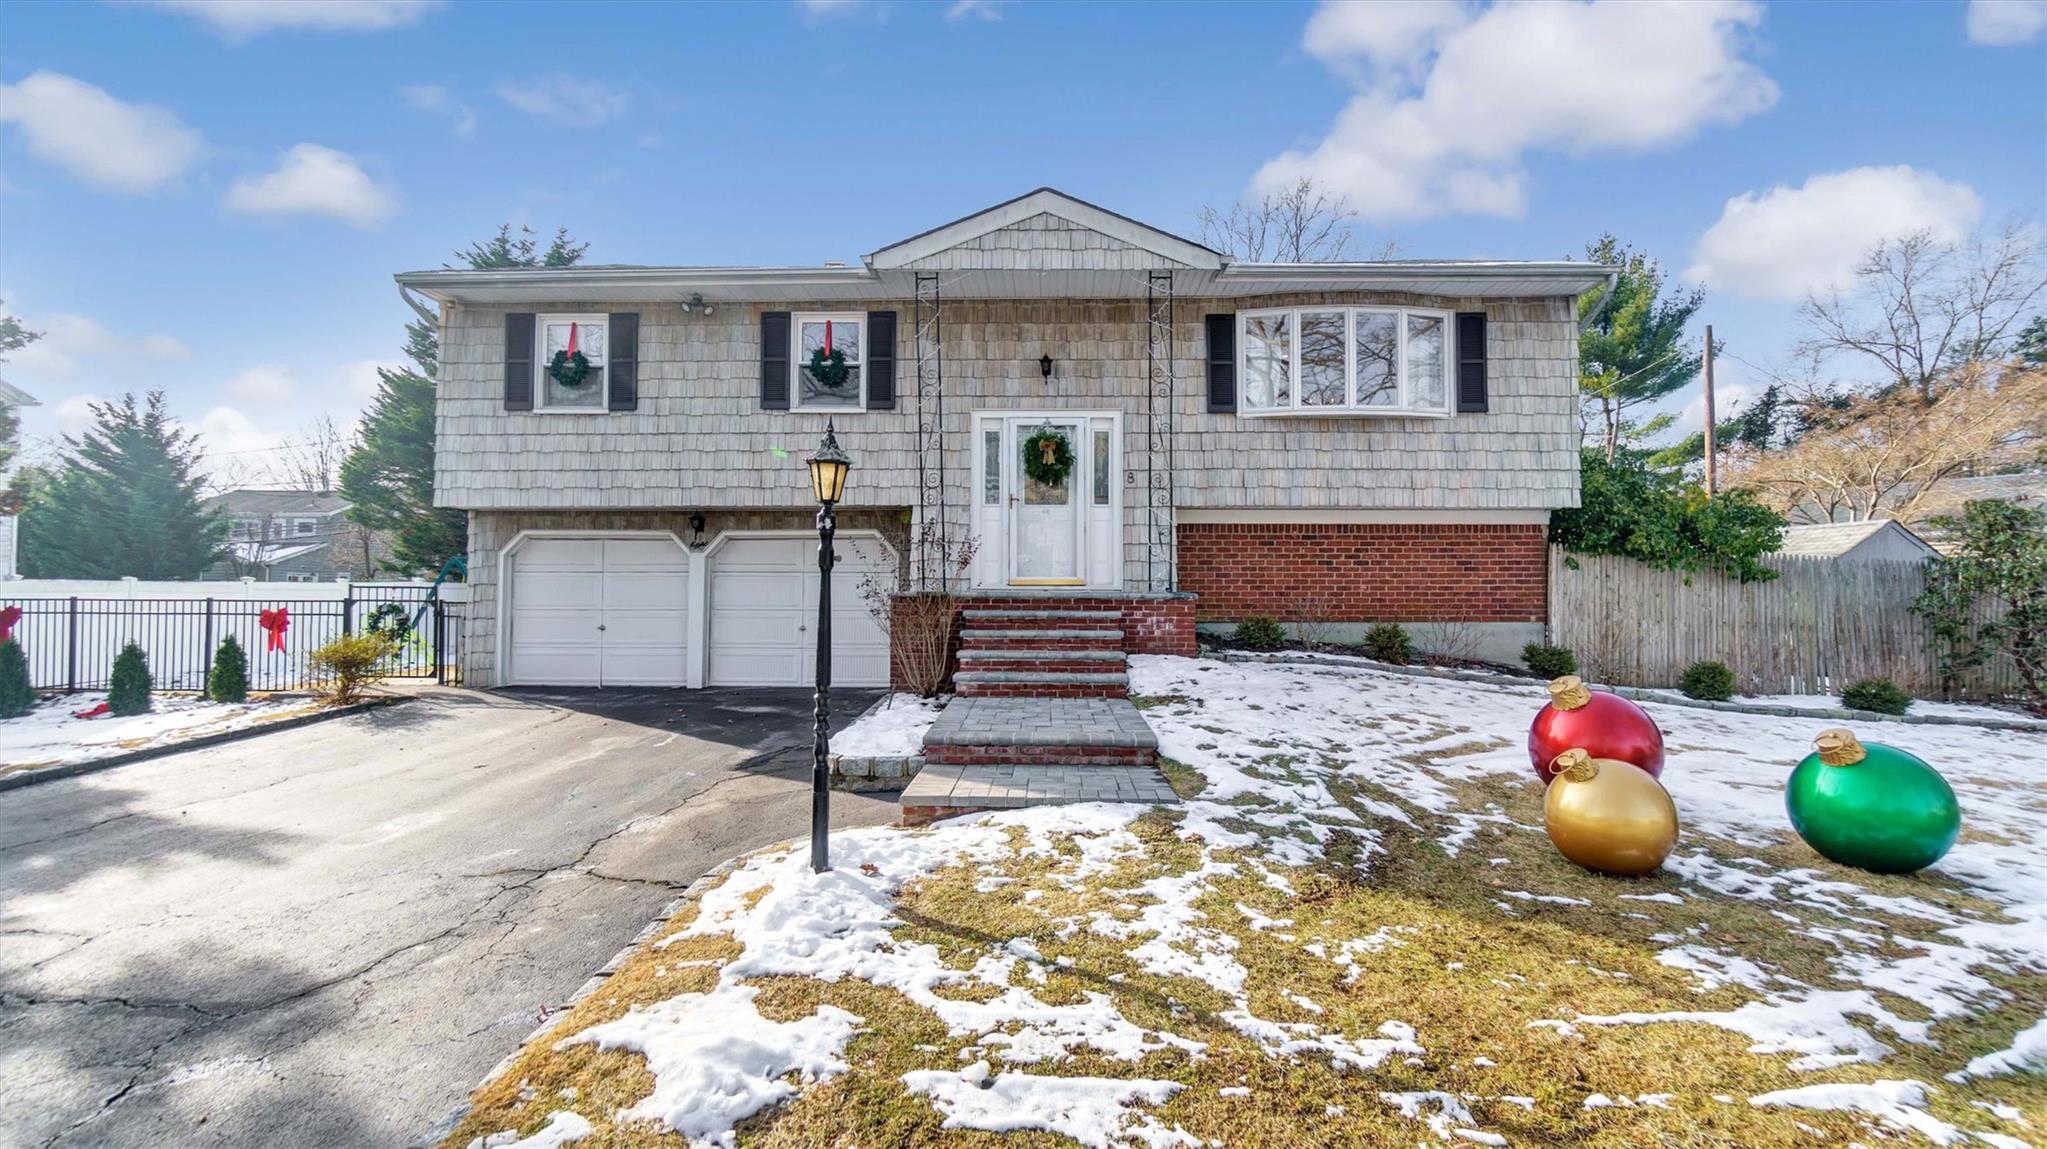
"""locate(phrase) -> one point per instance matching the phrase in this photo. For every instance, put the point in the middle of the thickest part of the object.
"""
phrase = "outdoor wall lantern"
(1045, 367)
(828, 468)
(696, 531)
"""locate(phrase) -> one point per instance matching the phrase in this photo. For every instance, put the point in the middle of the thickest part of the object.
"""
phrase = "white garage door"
(599, 612)
(764, 613)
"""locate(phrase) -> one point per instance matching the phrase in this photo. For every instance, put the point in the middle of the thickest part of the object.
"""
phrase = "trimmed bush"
(1389, 642)
(229, 681)
(1259, 632)
(128, 686)
(17, 697)
(1878, 694)
(1549, 661)
(1707, 681)
(350, 663)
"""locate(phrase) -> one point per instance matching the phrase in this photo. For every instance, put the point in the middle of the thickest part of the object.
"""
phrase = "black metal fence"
(71, 642)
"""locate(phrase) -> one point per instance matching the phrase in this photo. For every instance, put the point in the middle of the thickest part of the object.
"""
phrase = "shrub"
(1653, 514)
(1549, 661)
(352, 662)
(1259, 632)
(1878, 694)
(1709, 681)
(1389, 642)
(128, 686)
(17, 696)
(1998, 553)
(229, 681)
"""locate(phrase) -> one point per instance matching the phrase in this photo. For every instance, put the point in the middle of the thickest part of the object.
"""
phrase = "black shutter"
(881, 361)
(1471, 381)
(518, 361)
(1222, 362)
(774, 361)
(622, 373)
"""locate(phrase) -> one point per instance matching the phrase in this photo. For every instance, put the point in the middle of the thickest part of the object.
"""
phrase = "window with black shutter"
(1471, 365)
(881, 360)
(623, 373)
(1222, 362)
(774, 361)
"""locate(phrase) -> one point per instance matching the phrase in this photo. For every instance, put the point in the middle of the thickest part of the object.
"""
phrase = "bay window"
(1344, 361)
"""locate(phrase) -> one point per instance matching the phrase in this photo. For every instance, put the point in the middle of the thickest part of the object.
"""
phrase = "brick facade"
(1366, 572)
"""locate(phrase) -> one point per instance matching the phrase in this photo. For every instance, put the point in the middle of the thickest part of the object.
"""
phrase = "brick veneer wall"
(1367, 572)
(1161, 624)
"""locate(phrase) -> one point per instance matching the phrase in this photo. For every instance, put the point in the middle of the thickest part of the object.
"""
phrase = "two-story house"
(1115, 416)
(293, 536)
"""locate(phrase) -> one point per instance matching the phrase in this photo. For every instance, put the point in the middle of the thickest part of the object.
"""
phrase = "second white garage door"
(599, 612)
(764, 613)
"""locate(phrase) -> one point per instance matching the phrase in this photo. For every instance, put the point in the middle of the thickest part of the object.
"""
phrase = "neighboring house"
(293, 536)
(1869, 541)
(1349, 443)
(12, 397)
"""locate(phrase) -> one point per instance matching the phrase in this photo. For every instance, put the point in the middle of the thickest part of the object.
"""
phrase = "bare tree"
(310, 460)
(1920, 308)
(1299, 224)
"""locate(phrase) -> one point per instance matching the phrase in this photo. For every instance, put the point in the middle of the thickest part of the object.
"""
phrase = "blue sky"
(210, 198)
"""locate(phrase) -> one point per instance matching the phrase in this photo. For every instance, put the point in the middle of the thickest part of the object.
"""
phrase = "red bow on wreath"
(275, 623)
(827, 337)
(8, 618)
(572, 339)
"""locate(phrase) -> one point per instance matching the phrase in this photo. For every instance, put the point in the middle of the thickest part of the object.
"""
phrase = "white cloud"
(977, 9)
(1450, 100)
(436, 98)
(312, 180)
(2002, 23)
(74, 415)
(263, 384)
(70, 342)
(828, 7)
(242, 19)
(1787, 243)
(359, 379)
(565, 100)
(125, 147)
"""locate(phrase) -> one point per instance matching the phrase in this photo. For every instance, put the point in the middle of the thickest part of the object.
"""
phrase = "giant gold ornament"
(1871, 806)
(1607, 815)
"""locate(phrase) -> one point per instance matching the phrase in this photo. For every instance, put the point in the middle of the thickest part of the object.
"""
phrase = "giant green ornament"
(1871, 806)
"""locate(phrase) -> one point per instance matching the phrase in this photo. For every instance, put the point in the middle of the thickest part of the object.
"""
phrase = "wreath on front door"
(1047, 456)
(828, 363)
(569, 367)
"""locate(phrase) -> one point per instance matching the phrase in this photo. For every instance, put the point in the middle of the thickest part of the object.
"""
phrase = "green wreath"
(569, 368)
(830, 371)
(390, 620)
(1047, 457)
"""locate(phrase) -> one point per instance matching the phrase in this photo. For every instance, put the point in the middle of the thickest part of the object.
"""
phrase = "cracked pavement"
(325, 936)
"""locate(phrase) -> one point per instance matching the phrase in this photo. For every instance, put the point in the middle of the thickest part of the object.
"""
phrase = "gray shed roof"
(1832, 540)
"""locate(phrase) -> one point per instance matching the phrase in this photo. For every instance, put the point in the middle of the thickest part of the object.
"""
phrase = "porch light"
(696, 530)
(1045, 367)
(828, 468)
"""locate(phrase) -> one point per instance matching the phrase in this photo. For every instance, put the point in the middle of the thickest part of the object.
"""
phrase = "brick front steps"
(1049, 652)
(988, 752)
(945, 791)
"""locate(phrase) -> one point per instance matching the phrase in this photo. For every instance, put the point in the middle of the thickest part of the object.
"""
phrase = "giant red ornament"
(1603, 725)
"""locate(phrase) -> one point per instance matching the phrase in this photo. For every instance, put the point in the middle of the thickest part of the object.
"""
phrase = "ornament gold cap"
(1575, 764)
(1839, 748)
(1568, 692)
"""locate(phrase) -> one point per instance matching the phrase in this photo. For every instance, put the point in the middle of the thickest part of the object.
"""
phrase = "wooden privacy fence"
(1816, 627)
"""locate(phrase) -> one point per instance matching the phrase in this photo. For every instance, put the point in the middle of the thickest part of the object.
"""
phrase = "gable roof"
(12, 396)
(1832, 540)
(1052, 202)
(254, 501)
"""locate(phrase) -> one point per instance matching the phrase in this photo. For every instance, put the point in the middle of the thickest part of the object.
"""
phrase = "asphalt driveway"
(325, 936)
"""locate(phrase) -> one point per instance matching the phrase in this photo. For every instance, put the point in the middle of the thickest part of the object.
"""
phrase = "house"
(1132, 429)
(293, 536)
(1872, 540)
(11, 397)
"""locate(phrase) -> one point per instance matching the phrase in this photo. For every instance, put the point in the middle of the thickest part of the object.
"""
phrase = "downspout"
(419, 309)
(1613, 279)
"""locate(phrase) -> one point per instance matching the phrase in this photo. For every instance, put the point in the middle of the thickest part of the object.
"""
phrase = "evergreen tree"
(123, 501)
(229, 681)
(388, 477)
(1635, 351)
(17, 695)
(2030, 345)
(128, 686)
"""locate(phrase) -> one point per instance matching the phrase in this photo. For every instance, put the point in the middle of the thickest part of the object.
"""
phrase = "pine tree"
(124, 500)
(388, 478)
(1635, 351)
(229, 681)
(128, 686)
(17, 695)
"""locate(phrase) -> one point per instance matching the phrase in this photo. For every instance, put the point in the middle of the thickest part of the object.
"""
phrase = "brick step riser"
(1044, 665)
(1115, 644)
(1044, 624)
(1038, 756)
(1039, 690)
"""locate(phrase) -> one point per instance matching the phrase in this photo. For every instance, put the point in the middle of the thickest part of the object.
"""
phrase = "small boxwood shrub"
(1549, 661)
(1389, 642)
(1259, 632)
(17, 695)
(128, 685)
(352, 662)
(229, 681)
(1708, 681)
(1878, 694)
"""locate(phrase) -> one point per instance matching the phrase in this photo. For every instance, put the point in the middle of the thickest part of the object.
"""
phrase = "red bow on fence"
(8, 618)
(275, 623)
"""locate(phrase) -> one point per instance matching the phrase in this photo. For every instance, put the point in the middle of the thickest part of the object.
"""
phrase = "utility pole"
(1712, 449)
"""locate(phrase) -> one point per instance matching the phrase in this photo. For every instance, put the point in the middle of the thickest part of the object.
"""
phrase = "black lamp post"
(828, 469)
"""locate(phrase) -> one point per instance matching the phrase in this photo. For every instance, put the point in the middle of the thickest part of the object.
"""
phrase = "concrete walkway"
(325, 936)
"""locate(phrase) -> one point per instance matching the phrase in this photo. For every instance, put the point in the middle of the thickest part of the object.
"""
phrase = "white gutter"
(1613, 278)
(584, 279)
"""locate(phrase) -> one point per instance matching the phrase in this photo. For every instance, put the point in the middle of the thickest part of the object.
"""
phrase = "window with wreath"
(1344, 361)
(570, 362)
(828, 355)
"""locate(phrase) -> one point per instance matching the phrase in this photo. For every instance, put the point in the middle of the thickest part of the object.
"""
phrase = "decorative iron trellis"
(930, 529)
(1158, 442)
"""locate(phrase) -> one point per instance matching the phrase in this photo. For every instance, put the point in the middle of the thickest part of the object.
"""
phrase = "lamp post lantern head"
(828, 468)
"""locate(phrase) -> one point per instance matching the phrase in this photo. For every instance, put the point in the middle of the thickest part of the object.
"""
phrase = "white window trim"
(798, 361)
(1350, 408)
(540, 325)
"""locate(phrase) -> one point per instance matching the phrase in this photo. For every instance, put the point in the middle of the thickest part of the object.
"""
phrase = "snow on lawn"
(1256, 939)
(893, 729)
(49, 735)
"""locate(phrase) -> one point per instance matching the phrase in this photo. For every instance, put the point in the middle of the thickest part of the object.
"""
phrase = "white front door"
(1031, 532)
(1046, 540)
